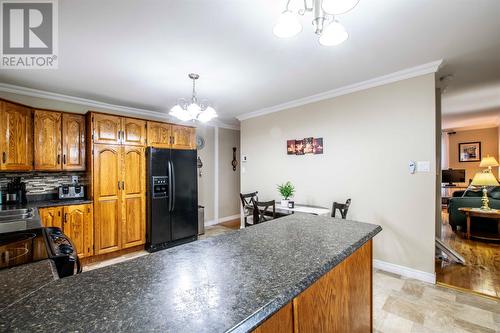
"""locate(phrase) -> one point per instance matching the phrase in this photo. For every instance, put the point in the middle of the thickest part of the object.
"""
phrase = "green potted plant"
(287, 191)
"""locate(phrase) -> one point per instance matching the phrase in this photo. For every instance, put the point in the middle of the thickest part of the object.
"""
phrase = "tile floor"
(406, 305)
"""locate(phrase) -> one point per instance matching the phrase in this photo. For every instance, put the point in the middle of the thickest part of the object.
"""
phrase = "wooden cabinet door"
(133, 132)
(107, 198)
(183, 137)
(16, 137)
(47, 141)
(341, 300)
(77, 226)
(73, 142)
(159, 134)
(51, 217)
(134, 196)
(106, 128)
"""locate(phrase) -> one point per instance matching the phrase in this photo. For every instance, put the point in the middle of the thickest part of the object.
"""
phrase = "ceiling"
(138, 53)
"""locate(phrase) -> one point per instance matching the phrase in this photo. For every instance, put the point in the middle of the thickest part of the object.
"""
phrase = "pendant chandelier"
(186, 110)
(324, 22)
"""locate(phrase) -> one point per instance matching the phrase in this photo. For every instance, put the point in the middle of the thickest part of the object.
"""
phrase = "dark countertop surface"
(19, 282)
(227, 283)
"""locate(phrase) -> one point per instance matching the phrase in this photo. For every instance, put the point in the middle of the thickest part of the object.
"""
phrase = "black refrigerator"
(172, 198)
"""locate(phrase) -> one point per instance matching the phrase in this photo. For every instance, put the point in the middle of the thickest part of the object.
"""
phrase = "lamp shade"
(488, 161)
(484, 179)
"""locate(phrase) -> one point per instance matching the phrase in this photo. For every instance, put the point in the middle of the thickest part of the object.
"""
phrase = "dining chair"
(247, 200)
(343, 208)
(261, 211)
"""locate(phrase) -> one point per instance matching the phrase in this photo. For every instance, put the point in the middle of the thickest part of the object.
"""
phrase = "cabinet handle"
(118, 185)
(64, 159)
(66, 218)
(123, 185)
(58, 158)
(4, 157)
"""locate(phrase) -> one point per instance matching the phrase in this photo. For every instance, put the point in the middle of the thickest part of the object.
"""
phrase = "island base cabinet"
(340, 301)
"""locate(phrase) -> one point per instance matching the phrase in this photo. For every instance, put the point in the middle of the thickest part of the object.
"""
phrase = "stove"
(27, 246)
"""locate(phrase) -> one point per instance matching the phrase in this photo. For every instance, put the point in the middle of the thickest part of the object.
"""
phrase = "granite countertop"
(20, 281)
(228, 283)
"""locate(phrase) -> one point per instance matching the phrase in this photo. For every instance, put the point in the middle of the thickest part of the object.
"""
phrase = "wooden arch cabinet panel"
(134, 196)
(51, 216)
(78, 226)
(16, 137)
(107, 198)
(47, 140)
(159, 134)
(73, 142)
(106, 128)
(183, 137)
(134, 132)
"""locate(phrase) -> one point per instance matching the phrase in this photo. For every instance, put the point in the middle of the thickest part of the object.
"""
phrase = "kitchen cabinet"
(110, 129)
(59, 141)
(16, 137)
(78, 226)
(119, 197)
(51, 216)
(47, 145)
(107, 197)
(183, 137)
(73, 142)
(159, 134)
(133, 132)
(76, 222)
(133, 195)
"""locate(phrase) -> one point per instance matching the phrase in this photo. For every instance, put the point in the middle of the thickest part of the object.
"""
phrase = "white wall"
(229, 180)
(369, 138)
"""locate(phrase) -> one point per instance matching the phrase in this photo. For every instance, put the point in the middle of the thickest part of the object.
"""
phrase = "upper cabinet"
(133, 132)
(47, 140)
(16, 135)
(159, 134)
(73, 142)
(106, 128)
(110, 129)
(183, 137)
(59, 141)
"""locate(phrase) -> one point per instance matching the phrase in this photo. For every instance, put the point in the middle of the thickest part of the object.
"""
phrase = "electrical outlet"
(74, 179)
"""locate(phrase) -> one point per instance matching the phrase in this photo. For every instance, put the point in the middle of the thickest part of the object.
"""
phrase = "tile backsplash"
(42, 182)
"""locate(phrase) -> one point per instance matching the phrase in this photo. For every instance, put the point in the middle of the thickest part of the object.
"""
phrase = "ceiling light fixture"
(192, 110)
(325, 24)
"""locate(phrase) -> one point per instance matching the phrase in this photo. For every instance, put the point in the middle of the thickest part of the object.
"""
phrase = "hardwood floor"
(233, 224)
(481, 272)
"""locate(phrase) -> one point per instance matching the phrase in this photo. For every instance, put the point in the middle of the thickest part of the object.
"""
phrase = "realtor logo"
(28, 34)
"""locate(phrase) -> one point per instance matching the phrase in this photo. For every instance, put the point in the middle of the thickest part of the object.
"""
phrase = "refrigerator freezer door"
(184, 189)
(159, 221)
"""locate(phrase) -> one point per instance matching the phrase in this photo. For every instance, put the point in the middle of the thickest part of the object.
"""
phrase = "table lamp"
(488, 162)
(484, 179)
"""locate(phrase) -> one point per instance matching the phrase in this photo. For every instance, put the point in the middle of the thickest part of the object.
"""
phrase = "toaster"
(72, 191)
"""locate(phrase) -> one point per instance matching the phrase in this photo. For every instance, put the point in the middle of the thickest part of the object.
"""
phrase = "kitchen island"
(264, 277)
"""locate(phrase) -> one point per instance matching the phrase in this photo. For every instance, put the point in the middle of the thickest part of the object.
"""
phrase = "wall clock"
(200, 142)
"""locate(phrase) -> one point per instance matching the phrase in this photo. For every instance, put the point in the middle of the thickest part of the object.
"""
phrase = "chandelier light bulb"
(334, 34)
(337, 7)
(207, 115)
(288, 25)
(178, 112)
(193, 109)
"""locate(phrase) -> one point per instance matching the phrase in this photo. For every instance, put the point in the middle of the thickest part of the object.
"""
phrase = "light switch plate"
(243, 158)
(423, 166)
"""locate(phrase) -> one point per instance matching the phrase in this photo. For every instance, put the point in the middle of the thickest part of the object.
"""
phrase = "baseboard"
(222, 219)
(404, 271)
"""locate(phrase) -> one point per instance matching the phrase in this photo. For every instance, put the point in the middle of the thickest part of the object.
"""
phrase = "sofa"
(472, 198)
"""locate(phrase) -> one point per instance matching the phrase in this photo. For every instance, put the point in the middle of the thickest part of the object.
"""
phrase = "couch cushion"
(472, 192)
(494, 193)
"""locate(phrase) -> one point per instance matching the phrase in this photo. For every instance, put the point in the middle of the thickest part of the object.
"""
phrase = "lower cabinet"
(76, 222)
(339, 301)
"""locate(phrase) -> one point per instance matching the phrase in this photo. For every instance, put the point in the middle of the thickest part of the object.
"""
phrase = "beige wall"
(229, 180)
(206, 185)
(369, 138)
(489, 146)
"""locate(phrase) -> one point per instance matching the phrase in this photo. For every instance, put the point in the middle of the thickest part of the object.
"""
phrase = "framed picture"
(318, 146)
(290, 147)
(308, 145)
(469, 152)
(299, 147)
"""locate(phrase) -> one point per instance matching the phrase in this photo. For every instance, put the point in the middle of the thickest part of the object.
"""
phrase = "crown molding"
(123, 110)
(404, 74)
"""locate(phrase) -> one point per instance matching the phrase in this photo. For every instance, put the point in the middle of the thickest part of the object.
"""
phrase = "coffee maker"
(16, 191)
